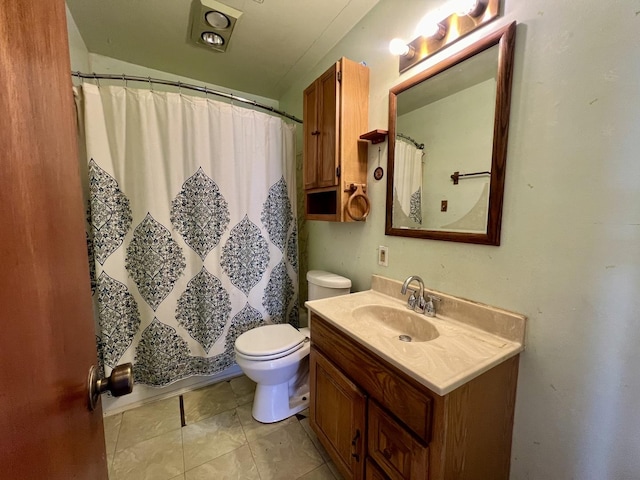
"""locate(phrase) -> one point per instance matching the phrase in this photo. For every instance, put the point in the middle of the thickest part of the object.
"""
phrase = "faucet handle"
(412, 300)
(430, 308)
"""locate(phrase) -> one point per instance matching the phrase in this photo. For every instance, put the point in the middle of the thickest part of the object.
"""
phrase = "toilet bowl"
(276, 357)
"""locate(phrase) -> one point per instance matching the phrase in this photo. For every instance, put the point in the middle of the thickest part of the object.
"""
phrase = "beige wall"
(570, 253)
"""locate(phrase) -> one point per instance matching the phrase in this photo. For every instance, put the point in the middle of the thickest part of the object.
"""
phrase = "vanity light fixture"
(212, 23)
(443, 27)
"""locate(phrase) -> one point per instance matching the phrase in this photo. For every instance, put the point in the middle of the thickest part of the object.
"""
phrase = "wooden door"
(338, 414)
(47, 343)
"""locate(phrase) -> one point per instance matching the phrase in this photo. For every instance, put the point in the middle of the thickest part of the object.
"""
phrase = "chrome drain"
(404, 338)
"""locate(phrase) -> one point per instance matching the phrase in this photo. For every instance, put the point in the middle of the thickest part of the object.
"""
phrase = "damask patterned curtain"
(191, 228)
(408, 183)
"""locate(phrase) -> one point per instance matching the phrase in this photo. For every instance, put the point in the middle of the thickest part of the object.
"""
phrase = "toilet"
(276, 357)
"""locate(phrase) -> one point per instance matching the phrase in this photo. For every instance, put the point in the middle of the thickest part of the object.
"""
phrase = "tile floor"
(220, 440)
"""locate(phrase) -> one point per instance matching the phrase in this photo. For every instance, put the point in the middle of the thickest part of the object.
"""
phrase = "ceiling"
(273, 43)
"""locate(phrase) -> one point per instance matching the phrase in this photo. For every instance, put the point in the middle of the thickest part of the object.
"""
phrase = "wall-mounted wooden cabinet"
(378, 423)
(336, 113)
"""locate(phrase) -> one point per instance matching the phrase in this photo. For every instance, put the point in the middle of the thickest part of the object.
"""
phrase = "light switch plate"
(383, 256)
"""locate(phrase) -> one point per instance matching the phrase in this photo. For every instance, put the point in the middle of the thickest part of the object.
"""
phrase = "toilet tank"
(324, 284)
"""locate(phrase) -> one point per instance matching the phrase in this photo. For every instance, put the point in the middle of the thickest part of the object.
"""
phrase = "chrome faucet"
(419, 303)
(414, 303)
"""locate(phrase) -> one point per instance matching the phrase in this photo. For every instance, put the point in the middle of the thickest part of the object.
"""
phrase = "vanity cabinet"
(408, 431)
(341, 420)
(336, 113)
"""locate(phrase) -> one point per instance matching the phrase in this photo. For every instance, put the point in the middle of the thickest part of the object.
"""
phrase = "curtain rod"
(419, 146)
(188, 86)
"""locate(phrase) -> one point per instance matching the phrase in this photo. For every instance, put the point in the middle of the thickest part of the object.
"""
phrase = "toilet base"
(272, 403)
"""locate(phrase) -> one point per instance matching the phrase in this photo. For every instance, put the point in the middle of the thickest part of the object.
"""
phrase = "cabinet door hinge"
(338, 171)
(339, 76)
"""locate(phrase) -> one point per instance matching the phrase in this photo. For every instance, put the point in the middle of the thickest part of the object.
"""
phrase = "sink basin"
(398, 322)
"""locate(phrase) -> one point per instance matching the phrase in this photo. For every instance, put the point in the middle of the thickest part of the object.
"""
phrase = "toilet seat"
(269, 342)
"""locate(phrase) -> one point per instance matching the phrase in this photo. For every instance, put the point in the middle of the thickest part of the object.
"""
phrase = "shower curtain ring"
(150, 84)
(95, 77)
(124, 79)
(206, 92)
(179, 88)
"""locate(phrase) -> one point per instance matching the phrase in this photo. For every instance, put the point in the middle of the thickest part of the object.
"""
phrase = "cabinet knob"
(386, 453)
(315, 132)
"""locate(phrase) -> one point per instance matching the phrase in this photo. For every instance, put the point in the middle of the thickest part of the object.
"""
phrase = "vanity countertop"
(460, 353)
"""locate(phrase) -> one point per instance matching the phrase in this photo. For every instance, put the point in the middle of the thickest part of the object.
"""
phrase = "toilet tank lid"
(327, 279)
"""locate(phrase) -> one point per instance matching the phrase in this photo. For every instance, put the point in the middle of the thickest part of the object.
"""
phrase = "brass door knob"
(119, 383)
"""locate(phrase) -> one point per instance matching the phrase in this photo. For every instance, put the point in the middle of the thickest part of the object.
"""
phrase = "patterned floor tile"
(285, 454)
(159, 458)
(208, 401)
(146, 422)
(254, 429)
(236, 465)
(212, 437)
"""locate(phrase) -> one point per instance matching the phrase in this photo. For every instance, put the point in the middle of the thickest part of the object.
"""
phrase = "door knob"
(119, 383)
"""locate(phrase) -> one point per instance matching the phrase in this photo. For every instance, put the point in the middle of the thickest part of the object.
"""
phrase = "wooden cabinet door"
(321, 131)
(329, 125)
(311, 133)
(338, 416)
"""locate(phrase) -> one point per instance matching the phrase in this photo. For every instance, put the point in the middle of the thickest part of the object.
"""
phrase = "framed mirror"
(448, 130)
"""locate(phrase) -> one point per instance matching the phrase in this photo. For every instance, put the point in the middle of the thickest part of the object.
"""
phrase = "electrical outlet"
(383, 256)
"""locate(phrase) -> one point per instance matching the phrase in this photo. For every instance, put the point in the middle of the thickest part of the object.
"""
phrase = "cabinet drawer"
(393, 448)
(380, 380)
(373, 472)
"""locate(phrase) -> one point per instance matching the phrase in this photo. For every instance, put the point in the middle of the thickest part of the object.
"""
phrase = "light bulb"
(472, 8)
(217, 20)
(430, 27)
(397, 46)
(212, 39)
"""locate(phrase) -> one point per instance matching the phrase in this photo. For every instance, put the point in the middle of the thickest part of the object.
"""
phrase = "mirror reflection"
(451, 116)
(447, 146)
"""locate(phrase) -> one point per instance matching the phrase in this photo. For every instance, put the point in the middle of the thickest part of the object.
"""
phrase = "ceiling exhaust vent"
(212, 24)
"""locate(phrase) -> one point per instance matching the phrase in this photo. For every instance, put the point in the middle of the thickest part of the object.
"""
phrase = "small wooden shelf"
(375, 136)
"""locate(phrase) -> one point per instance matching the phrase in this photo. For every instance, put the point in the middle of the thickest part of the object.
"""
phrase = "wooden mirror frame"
(505, 38)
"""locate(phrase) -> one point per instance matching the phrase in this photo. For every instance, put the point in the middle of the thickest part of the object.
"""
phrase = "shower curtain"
(408, 181)
(191, 227)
